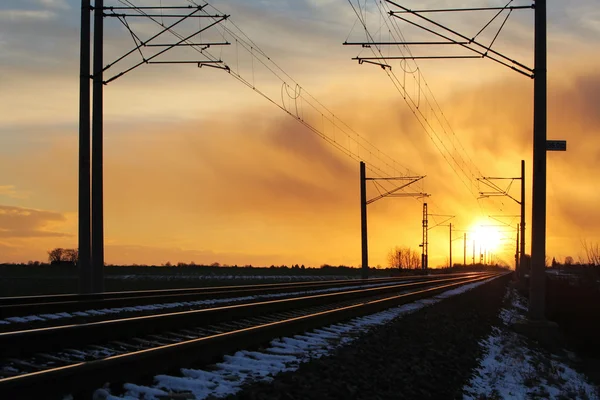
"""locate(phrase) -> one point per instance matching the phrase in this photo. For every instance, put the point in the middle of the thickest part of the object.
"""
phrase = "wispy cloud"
(26, 15)
(58, 4)
(18, 222)
(11, 191)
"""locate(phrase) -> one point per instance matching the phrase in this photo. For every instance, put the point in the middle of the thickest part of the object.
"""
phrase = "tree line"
(400, 257)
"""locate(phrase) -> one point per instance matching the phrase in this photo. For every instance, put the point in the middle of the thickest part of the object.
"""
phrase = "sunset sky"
(199, 167)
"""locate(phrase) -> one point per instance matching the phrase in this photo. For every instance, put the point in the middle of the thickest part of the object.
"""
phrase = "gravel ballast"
(428, 354)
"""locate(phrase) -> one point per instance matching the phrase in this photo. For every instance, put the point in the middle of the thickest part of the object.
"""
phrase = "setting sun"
(487, 238)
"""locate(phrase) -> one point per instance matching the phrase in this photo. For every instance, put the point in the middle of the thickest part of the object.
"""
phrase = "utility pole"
(500, 191)
(538, 210)
(97, 150)
(364, 203)
(91, 179)
(473, 262)
(84, 239)
(424, 244)
(363, 221)
(540, 143)
(450, 261)
(520, 272)
(426, 229)
(465, 249)
(517, 252)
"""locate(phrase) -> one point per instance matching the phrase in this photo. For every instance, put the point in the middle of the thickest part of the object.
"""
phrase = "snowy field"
(511, 369)
(283, 354)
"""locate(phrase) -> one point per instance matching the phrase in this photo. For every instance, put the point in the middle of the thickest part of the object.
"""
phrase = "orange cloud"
(254, 186)
(17, 222)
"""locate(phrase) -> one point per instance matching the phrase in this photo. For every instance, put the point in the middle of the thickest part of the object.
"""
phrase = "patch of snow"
(284, 354)
(25, 319)
(279, 278)
(511, 369)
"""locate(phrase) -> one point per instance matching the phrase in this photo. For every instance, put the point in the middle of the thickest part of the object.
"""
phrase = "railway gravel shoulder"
(429, 354)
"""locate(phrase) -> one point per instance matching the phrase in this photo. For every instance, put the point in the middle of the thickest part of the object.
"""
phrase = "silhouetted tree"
(569, 260)
(403, 257)
(71, 255)
(55, 256)
(592, 252)
(63, 256)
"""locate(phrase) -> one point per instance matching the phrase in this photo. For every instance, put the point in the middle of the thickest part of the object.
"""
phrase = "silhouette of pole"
(473, 262)
(538, 210)
(84, 239)
(425, 244)
(97, 168)
(522, 252)
(465, 249)
(363, 221)
(517, 254)
(450, 260)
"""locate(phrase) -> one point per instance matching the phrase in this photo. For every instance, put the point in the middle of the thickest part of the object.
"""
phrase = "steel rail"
(27, 305)
(83, 377)
(19, 343)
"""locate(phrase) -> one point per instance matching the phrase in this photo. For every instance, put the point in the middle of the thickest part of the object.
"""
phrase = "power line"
(298, 102)
(437, 129)
(453, 153)
(414, 104)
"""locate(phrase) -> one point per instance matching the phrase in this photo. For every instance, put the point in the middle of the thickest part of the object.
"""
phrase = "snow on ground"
(512, 369)
(284, 354)
(282, 278)
(179, 304)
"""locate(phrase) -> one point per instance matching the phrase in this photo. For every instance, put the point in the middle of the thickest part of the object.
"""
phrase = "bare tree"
(71, 255)
(63, 256)
(55, 256)
(592, 252)
(404, 258)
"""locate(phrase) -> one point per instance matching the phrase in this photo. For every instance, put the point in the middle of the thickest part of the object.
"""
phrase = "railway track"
(73, 359)
(31, 305)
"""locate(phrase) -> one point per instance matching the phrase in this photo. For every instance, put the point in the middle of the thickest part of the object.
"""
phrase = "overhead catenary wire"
(463, 163)
(363, 145)
(359, 148)
(410, 101)
(459, 159)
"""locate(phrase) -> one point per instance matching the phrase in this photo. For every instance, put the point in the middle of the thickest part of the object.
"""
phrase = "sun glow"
(487, 238)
